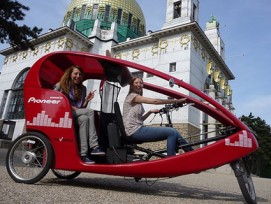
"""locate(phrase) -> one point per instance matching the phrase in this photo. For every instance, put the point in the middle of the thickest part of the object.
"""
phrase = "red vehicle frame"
(49, 123)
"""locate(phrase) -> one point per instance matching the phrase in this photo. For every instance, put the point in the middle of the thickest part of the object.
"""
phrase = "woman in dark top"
(71, 85)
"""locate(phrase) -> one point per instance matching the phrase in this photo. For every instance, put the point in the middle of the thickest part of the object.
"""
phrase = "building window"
(172, 67)
(95, 12)
(137, 74)
(177, 9)
(194, 11)
(138, 26)
(130, 20)
(73, 13)
(119, 16)
(15, 106)
(83, 11)
(3, 103)
(107, 13)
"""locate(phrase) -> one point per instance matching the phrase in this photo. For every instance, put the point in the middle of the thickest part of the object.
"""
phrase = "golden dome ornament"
(69, 43)
(136, 53)
(185, 39)
(25, 53)
(223, 83)
(203, 54)
(209, 67)
(5, 60)
(36, 51)
(60, 43)
(228, 90)
(196, 44)
(154, 50)
(47, 47)
(163, 44)
(118, 56)
(217, 75)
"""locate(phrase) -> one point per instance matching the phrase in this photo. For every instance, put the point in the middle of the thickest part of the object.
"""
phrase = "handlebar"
(169, 107)
(174, 106)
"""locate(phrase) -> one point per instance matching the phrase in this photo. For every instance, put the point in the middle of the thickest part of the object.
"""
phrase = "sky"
(245, 28)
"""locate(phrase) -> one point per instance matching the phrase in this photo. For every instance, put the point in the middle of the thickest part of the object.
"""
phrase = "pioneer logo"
(44, 101)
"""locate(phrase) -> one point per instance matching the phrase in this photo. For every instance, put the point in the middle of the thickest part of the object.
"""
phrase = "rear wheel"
(29, 158)
(244, 179)
(63, 174)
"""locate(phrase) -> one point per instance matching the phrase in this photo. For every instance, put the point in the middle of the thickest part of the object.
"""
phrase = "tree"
(260, 160)
(10, 32)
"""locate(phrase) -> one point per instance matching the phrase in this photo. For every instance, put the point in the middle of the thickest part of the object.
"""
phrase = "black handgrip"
(169, 107)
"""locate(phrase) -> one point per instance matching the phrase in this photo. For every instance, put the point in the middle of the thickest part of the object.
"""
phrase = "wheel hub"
(28, 157)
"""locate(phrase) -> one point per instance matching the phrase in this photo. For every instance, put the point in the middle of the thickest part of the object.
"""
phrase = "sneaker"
(97, 151)
(87, 160)
(136, 159)
(188, 149)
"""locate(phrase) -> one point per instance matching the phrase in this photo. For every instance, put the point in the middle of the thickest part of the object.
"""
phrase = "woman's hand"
(145, 116)
(154, 111)
(74, 108)
(90, 96)
(181, 101)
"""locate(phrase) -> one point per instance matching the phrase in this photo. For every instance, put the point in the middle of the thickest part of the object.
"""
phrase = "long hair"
(131, 90)
(66, 83)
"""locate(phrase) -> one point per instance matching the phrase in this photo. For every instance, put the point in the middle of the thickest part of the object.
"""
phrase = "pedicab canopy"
(47, 71)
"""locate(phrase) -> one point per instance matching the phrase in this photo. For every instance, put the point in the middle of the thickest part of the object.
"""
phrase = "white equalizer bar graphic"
(244, 141)
(43, 120)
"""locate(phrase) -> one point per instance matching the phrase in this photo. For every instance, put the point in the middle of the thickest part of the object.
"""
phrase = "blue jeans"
(153, 134)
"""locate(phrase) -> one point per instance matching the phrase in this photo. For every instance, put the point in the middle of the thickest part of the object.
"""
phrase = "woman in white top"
(134, 116)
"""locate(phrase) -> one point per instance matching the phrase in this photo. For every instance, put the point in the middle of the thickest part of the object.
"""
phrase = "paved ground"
(206, 187)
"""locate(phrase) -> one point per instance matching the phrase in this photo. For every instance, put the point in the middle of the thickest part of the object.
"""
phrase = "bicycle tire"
(29, 158)
(245, 181)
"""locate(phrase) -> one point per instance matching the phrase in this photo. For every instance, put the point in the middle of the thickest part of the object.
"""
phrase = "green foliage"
(17, 36)
(260, 161)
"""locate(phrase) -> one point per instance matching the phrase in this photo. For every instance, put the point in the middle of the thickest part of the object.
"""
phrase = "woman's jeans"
(87, 131)
(153, 134)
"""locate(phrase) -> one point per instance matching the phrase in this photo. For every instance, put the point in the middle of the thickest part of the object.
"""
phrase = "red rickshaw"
(51, 142)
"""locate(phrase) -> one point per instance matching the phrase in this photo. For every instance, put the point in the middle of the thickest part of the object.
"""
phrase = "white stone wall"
(180, 47)
(17, 61)
(190, 67)
(187, 12)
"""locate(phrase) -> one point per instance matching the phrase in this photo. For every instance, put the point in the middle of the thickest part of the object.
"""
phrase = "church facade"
(181, 48)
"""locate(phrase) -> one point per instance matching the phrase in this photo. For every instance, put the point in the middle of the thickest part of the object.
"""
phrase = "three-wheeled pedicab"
(51, 140)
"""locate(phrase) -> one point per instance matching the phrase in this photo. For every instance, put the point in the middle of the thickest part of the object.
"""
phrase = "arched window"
(177, 9)
(15, 106)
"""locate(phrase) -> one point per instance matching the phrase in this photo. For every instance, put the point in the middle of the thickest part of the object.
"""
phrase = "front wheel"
(63, 174)
(29, 158)
(244, 179)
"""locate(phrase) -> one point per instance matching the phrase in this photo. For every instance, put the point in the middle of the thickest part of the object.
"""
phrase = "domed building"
(81, 15)
(180, 48)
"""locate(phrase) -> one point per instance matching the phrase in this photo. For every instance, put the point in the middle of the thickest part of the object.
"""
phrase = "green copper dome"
(81, 15)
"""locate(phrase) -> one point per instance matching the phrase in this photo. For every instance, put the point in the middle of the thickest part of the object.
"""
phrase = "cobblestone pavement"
(206, 187)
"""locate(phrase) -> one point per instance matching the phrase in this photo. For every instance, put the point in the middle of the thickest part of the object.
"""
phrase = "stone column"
(219, 97)
(225, 169)
(211, 120)
(231, 107)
